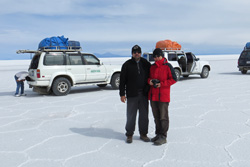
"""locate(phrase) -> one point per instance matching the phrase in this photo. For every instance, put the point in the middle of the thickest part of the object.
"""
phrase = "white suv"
(184, 63)
(58, 70)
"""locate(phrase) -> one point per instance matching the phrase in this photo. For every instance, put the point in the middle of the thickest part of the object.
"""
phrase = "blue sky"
(114, 26)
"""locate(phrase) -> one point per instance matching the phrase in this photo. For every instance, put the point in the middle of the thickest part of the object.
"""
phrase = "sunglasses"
(134, 52)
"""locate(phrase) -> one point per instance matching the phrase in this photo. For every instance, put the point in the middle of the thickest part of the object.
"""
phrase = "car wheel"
(205, 72)
(101, 85)
(115, 81)
(61, 86)
(244, 71)
(178, 74)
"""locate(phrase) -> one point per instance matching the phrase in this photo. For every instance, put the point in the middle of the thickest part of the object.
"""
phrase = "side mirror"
(197, 59)
(100, 63)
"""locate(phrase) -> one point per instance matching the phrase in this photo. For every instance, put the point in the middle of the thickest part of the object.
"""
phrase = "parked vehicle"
(184, 63)
(244, 60)
(56, 70)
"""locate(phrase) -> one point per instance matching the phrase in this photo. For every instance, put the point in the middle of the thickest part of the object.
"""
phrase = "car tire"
(205, 72)
(115, 81)
(61, 86)
(244, 71)
(102, 85)
(178, 74)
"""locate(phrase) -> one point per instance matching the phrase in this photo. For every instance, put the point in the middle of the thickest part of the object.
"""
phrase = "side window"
(75, 60)
(53, 59)
(180, 56)
(151, 58)
(144, 56)
(91, 60)
(189, 56)
(172, 57)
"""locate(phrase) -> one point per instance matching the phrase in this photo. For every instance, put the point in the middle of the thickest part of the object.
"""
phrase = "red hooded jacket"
(164, 72)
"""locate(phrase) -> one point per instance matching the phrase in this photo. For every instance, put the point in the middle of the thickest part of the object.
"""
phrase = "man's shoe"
(155, 138)
(23, 94)
(144, 138)
(129, 139)
(17, 95)
(160, 141)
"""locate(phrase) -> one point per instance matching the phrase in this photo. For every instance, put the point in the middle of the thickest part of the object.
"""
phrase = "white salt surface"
(209, 123)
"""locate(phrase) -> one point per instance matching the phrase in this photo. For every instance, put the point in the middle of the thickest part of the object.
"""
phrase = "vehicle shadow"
(74, 90)
(99, 132)
(83, 89)
(189, 78)
(233, 73)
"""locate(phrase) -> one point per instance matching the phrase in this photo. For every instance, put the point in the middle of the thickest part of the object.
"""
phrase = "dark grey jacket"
(130, 78)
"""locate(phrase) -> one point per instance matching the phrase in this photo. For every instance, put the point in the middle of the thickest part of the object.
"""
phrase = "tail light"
(38, 73)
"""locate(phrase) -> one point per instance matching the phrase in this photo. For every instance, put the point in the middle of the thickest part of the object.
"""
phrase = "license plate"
(248, 62)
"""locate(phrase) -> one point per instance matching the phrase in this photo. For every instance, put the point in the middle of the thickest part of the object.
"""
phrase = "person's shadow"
(99, 132)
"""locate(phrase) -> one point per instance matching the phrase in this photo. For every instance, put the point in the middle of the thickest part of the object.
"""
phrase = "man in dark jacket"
(134, 88)
(161, 77)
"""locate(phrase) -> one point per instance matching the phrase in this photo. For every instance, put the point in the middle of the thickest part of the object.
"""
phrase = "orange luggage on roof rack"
(168, 45)
(176, 46)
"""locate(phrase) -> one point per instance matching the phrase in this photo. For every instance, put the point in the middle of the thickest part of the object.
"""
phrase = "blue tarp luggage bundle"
(247, 45)
(54, 43)
(74, 44)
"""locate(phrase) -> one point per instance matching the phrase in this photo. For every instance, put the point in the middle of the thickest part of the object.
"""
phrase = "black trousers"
(161, 118)
(134, 104)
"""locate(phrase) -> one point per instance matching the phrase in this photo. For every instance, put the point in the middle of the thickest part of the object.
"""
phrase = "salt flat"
(209, 123)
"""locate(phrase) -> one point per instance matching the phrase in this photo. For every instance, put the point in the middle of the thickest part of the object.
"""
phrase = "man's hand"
(123, 99)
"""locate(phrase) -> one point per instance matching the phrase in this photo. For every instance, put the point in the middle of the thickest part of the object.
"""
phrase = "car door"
(95, 71)
(76, 67)
(191, 63)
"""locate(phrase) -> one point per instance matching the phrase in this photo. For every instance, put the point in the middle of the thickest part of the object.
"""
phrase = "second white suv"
(184, 63)
(58, 70)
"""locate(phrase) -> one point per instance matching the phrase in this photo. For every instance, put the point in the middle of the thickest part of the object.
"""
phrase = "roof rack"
(55, 49)
(165, 49)
(61, 48)
(27, 51)
(176, 51)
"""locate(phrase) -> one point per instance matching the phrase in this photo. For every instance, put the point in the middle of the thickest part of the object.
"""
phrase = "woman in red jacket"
(161, 77)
